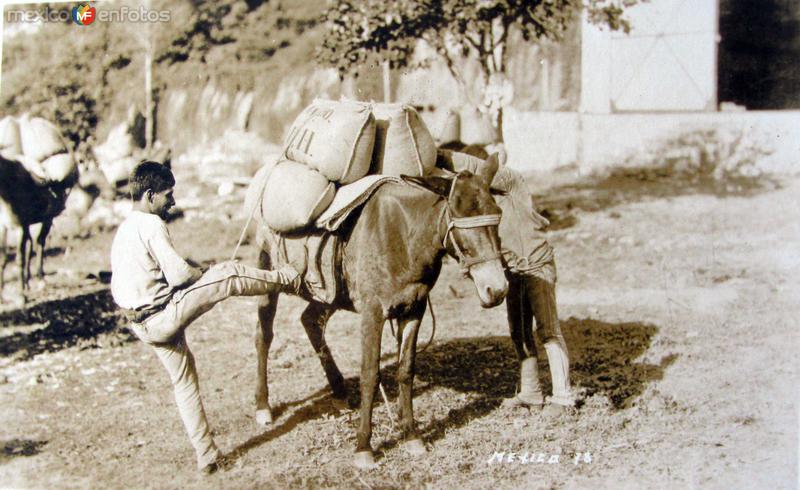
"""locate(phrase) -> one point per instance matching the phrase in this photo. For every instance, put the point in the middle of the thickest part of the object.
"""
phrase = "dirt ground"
(678, 300)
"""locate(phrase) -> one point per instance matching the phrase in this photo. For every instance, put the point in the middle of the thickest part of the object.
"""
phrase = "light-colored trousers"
(165, 332)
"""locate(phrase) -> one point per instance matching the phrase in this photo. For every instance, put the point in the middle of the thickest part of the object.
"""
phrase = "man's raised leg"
(228, 279)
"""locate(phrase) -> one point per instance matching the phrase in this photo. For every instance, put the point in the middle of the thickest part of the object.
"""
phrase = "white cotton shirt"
(145, 268)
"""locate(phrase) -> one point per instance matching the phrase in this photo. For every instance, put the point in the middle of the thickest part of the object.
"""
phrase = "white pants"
(165, 332)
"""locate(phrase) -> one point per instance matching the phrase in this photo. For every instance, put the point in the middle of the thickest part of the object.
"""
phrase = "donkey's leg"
(4, 252)
(314, 319)
(371, 328)
(267, 305)
(408, 330)
(41, 239)
(28, 257)
(24, 242)
(520, 323)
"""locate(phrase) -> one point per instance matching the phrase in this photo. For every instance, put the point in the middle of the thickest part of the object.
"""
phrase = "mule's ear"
(500, 149)
(502, 156)
(439, 185)
(489, 167)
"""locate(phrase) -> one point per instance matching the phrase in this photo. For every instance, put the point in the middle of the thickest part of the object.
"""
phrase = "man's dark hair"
(150, 175)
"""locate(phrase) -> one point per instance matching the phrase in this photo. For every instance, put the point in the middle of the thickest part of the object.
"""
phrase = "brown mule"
(392, 256)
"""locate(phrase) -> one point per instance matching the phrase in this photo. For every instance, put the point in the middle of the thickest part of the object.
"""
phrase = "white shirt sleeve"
(176, 270)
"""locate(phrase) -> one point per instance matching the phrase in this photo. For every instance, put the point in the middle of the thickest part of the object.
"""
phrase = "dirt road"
(679, 307)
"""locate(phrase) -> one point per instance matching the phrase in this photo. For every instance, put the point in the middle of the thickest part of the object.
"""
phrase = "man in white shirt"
(161, 294)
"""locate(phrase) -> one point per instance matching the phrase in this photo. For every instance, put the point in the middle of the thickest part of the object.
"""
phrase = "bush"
(719, 153)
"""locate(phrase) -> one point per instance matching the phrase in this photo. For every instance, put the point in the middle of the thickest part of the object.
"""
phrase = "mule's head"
(469, 234)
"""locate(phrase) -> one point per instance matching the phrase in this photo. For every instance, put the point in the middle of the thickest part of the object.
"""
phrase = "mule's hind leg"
(41, 239)
(520, 323)
(371, 327)
(314, 319)
(24, 255)
(408, 329)
(4, 251)
(267, 305)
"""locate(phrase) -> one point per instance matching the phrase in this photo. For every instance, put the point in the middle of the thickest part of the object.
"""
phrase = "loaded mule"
(391, 255)
(24, 202)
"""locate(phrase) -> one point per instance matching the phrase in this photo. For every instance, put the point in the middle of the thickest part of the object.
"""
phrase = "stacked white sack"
(403, 144)
(294, 196)
(39, 146)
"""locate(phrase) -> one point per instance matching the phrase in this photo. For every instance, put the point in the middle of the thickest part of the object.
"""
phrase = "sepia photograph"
(400, 244)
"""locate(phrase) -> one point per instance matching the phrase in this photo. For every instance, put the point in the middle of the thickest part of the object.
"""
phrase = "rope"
(527, 266)
(433, 327)
(388, 407)
(394, 334)
(249, 219)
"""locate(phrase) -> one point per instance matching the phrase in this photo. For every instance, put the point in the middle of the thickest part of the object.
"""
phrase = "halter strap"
(473, 221)
(479, 221)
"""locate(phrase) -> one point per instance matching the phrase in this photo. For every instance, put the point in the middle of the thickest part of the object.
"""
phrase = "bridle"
(480, 221)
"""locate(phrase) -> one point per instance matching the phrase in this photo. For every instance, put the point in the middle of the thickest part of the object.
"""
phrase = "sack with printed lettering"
(334, 137)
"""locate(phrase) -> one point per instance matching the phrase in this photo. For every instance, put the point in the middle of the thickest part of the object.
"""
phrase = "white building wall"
(668, 61)
(543, 141)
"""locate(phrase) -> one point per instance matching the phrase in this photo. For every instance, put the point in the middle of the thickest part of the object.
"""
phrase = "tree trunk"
(498, 129)
(148, 98)
(148, 86)
(387, 82)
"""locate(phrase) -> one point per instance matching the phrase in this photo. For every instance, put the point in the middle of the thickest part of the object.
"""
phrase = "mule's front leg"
(371, 328)
(267, 306)
(408, 331)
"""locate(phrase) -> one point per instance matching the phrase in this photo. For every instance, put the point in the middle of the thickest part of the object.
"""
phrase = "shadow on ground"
(624, 185)
(61, 323)
(604, 360)
(20, 447)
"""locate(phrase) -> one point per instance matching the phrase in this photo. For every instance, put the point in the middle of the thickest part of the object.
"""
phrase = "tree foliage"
(358, 30)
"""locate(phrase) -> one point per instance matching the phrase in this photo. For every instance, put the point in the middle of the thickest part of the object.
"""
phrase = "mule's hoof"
(524, 401)
(415, 447)
(364, 460)
(557, 410)
(264, 417)
(340, 404)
